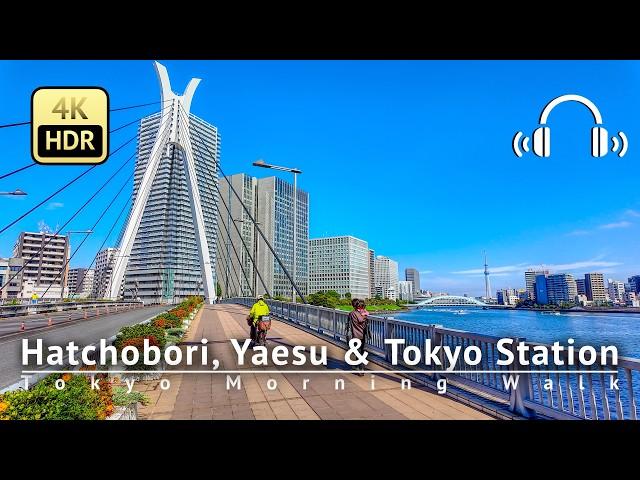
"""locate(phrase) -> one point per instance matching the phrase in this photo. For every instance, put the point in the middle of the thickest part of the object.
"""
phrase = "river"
(621, 329)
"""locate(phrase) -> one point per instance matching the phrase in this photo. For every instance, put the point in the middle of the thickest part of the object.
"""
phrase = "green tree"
(218, 289)
(322, 299)
(347, 295)
(333, 294)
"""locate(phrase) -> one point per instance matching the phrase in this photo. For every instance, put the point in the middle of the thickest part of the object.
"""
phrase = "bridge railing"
(553, 392)
(37, 308)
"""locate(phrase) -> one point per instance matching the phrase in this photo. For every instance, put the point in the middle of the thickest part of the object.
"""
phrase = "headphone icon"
(542, 134)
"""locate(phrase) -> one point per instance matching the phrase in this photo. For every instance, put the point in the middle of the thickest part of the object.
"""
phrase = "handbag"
(264, 323)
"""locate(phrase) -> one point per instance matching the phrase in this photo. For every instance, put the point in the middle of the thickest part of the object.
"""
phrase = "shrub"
(160, 323)
(322, 299)
(106, 397)
(179, 312)
(122, 398)
(44, 402)
(172, 339)
(178, 332)
(140, 331)
(138, 342)
(169, 320)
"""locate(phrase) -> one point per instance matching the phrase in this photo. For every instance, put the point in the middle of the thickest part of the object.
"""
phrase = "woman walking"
(358, 326)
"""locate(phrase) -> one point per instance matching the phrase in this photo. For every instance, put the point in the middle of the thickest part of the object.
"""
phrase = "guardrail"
(547, 392)
(37, 308)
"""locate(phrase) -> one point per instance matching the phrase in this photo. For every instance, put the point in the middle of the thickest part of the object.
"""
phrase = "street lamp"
(69, 233)
(17, 192)
(261, 163)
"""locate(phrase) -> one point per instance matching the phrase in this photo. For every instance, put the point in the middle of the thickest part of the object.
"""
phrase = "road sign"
(70, 125)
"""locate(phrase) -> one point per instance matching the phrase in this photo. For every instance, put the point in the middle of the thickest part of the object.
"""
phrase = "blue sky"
(412, 156)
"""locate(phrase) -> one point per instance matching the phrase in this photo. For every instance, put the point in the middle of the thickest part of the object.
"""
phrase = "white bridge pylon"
(173, 132)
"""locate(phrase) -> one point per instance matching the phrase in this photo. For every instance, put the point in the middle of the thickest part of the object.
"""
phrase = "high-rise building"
(48, 269)
(10, 272)
(541, 295)
(372, 269)
(340, 264)
(235, 271)
(405, 290)
(530, 280)
(634, 281)
(80, 282)
(164, 264)
(275, 215)
(72, 279)
(413, 275)
(103, 268)
(631, 299)
(508, 296)
(386, 276)
(561, 287)
(616, 291)
(581, 286)
(596, 292)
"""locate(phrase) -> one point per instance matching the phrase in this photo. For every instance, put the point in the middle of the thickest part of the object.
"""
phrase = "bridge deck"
(205, 396)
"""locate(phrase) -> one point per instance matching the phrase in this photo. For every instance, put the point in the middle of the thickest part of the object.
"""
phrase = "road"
(9, 325)
(82, 332)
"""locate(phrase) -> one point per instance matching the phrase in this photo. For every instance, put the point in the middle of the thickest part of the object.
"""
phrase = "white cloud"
(632, 213)
(54, 205)
(493, 270)
(622, 224)
(521, 267)
(425, 272)
(578, 265)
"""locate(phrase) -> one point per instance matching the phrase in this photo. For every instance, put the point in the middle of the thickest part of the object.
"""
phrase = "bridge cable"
(75, 214)
(19, 124)
(252, 219)
(228, 259)
(229, 262)
(227, 228)
(234, 280)
(47, 199)
(33, 164)
(104, 212)
(106, 238)
(164, 137)
(162, 122)
(63, 188)
(69, 220)
(253, 261)
(77, 211)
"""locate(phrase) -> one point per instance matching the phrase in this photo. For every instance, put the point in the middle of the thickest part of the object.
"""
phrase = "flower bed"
(76, 400)
(165, 329)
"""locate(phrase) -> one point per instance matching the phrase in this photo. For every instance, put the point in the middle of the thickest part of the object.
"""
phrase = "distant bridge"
(450, 301)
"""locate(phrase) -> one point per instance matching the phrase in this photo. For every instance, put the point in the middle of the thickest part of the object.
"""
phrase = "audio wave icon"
(520, 144)
(541, 143)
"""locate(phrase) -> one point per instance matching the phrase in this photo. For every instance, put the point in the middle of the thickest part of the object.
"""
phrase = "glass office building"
(340, 264)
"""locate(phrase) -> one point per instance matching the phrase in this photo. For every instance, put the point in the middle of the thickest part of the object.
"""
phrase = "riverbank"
(596, 310)
(375, 309)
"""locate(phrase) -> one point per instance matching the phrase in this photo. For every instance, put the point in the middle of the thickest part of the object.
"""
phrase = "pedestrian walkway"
(205, 396)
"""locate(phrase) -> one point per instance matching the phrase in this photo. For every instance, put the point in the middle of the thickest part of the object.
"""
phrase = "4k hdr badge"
(70, 125)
